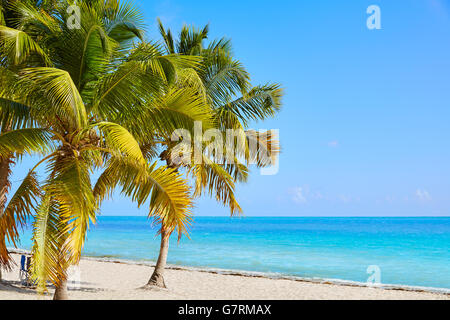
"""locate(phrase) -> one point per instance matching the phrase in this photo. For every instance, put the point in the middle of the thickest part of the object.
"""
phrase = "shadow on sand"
(17, 287)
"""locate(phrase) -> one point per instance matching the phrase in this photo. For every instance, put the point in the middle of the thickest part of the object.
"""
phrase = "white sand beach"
(122, 281)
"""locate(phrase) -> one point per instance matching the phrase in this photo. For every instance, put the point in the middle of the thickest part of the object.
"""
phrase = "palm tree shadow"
(90, 290)
(85, 288)
(16, 286)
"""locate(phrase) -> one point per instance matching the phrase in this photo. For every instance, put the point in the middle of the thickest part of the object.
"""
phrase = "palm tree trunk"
(61, 288)
(5, 184)
(157, 278)
(61, 291)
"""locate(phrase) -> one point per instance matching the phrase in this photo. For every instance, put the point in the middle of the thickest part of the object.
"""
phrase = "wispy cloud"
(333, 144)
(303, 194)
(423, 195)
(390, 199)
(344, 198)
(299, 195)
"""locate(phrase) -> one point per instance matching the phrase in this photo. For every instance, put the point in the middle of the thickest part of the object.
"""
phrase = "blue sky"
(365, 121)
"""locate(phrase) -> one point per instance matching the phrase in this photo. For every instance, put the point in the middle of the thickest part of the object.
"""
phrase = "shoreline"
(264, 275)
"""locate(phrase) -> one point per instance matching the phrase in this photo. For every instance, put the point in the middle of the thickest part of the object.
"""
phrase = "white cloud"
(299, 195)
(423, 195)
(344, 198)
(318, 196)
(303, 194)
(333, 144)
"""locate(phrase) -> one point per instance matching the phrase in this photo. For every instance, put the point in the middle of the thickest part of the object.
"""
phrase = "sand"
(122, 281)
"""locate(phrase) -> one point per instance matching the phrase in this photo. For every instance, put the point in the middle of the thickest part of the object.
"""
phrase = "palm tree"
(77, 101)
(224, 85)
(13, 116)
(159, 118)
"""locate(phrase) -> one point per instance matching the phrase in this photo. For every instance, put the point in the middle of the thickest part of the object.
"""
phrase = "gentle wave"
(410, 252)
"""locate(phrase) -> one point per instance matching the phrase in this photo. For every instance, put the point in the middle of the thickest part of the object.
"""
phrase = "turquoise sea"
(407, 251)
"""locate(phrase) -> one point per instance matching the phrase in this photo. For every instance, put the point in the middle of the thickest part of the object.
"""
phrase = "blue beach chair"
(24, 273)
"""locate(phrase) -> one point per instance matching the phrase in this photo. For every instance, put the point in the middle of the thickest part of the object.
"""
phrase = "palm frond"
(96, 50)
(49, 262)
(152, 58)
(117, 92)
(2, 17)
(19, 209)
(223, 44)
(177, 109)
(29, 140)
(14, 115)
(189, 77)
(258, 104)
(71, 188)
(167, 37)
(17, 46)
(123, 21)
(191, 40)
(57, 86)
(214, 180)
(263, 148)
(224, 77)
(119, 139)
(170, 200)
(140, 78)
(34, 20)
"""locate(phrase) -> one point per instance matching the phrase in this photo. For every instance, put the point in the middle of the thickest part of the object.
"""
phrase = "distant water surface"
(407, 251)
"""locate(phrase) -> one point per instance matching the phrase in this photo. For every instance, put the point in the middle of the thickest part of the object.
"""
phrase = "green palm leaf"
(30, 141)
(123, 21)
(16, 213)
(258, 104)
(118, 91)
(49, 262)
(177, 109)
(63, 96)
(167, 37)
(191, 40)
(14, 115)
(217, 182)
(34, 20)
(118, 138)
(152, 58)
(2, 17)
(17, 46)
(169, 194)
(224, 77)
(71, 188)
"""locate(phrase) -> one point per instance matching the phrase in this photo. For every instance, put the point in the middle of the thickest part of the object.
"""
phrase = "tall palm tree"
(77, 100)
(178, 108)
(224, 85)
